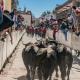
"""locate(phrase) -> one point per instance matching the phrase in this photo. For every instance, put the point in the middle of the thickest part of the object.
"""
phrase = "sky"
(39, 6)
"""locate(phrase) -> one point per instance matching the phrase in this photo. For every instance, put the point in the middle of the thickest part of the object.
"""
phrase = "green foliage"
(45, 13)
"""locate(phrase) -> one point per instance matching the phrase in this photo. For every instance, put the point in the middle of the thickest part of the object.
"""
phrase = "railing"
(6, 48)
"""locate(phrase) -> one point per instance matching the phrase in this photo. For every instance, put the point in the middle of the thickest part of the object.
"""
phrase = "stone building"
(10, 4)
(64, 9)
(27, 17)
(7, 5)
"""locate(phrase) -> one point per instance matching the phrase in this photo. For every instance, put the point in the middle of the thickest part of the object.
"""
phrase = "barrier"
(6, 48)
(73, 40)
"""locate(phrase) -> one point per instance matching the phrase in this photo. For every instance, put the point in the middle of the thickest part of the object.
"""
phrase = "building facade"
(27, 18)
(64, 9)
(7, 5)
(10, 4)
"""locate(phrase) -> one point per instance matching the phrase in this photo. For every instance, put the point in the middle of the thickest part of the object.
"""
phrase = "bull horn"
(26, 43)
(23, 43)
(37, 39)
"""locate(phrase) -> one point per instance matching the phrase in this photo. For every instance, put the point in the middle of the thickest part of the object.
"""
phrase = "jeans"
(65, 33)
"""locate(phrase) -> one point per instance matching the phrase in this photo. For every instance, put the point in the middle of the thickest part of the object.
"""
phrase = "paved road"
(15, 69)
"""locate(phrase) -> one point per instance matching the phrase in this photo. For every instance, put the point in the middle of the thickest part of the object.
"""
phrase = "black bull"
(64, 61)
(46, 65)
(31, 61)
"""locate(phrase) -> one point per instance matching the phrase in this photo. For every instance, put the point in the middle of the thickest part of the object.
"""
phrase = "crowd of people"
(7, 20)
(37, 31)
(69, 23)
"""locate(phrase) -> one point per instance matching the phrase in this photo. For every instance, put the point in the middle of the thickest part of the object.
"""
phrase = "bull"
(31, 59)
(47, 64)
(38, 55)
(64, 60)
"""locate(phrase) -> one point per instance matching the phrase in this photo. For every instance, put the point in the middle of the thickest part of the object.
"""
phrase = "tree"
(43, 14)
(48, 12)
(53, 11)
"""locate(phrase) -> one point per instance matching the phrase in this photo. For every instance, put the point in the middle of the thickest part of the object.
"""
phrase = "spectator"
(5, 22)
(47, 23)
(19, 22)
(6, 25)
(1, 16)
(55, 29)
(75, 18)
(14, 16)
(12, 13)
(64, 28)
(51, 22)
(31, 31)
(59, 23)
(78, 33)
(1, 10)
(42, 24)
(70, 21)
(43, 32)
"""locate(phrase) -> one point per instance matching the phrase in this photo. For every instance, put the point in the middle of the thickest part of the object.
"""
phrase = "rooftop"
(66, 3)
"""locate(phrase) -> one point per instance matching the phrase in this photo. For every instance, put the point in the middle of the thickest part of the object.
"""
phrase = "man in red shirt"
(55, 29)
(43, 32)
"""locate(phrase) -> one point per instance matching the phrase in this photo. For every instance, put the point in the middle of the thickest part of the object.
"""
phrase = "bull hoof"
(56, 78)
(28, 78)
(68, 79)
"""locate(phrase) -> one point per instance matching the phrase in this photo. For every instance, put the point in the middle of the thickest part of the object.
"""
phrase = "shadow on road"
(78, 70)
(22, 78)
(76, 60)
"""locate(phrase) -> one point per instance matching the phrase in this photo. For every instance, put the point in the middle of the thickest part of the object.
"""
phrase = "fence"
(6, 48)
(73, 40)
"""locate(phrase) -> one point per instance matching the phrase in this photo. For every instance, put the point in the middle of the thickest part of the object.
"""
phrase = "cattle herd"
(44, 57)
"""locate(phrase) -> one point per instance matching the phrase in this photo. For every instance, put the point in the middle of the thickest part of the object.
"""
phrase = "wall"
(64, 9)
(6, 48)
(72, 42)
(7, 5)
(27, 19)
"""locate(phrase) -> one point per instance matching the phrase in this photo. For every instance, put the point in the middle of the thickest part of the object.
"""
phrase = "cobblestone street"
(15, 69)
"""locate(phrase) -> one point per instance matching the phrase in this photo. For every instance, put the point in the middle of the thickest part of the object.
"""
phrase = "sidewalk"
(16, 70)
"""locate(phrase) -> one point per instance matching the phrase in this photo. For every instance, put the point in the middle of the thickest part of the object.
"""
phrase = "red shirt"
(44, 30)
(55, 30)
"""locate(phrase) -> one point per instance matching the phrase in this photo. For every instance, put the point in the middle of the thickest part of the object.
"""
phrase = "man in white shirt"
(70, 21)
(15, 19)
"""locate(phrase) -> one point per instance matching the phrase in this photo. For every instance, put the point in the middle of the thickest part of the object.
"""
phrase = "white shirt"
(70, 19)
(15, 18)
